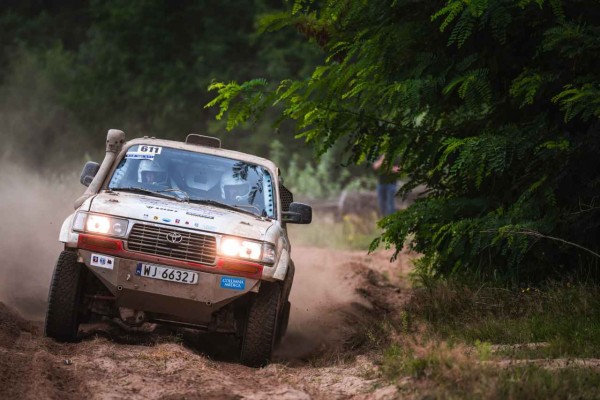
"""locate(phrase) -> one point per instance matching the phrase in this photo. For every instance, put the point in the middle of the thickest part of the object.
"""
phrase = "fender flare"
(282, 266)
(289, 280)
(67, 236)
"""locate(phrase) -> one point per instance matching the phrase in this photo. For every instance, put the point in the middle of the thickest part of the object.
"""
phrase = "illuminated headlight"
(101, 224)
(257, 251)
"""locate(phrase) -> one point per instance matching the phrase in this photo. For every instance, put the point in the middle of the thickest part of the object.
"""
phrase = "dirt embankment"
(336, 296)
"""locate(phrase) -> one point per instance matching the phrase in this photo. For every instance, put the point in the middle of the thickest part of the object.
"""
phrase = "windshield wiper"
(221, 205)
(158, 193)
(186, 197)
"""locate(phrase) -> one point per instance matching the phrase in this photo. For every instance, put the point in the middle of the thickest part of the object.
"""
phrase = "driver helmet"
(152, 172)
(234, 188)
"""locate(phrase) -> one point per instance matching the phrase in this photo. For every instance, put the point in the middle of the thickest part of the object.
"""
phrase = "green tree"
(493, 104)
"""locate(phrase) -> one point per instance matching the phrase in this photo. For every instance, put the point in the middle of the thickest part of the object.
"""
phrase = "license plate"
(166, 273)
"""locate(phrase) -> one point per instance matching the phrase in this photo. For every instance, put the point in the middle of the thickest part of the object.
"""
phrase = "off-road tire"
(261, 326)
(62, 319)
(283, 322)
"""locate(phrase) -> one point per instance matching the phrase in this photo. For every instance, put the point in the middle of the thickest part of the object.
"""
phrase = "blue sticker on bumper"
(229, 282)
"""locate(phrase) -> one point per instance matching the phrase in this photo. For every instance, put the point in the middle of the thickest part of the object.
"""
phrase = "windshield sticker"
(229, 282)
(205, 227)
(139, 156)
(152, 150)
(206, 213)
(194, 214)
(98, 260)
(158, 205)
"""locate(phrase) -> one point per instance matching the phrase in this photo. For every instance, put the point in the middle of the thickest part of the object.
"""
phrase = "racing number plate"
(166, 273)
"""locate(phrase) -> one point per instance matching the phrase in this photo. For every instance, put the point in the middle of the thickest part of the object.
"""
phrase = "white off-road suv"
(187, 234)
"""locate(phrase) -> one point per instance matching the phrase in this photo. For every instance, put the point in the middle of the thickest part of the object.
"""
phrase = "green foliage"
(492, 104)
(583, 101)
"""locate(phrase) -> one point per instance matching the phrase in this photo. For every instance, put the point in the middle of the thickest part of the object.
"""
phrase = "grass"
(438, 370)
(565, 318)
(537, 383)
(464, 342)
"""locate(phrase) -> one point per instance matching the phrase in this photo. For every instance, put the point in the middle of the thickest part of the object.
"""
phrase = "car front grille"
(152, 239)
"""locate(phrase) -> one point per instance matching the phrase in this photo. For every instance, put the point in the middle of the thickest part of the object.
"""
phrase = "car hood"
(180, 214)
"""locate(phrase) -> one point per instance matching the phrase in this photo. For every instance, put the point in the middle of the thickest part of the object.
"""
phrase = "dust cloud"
(32, 208)
(323, 299)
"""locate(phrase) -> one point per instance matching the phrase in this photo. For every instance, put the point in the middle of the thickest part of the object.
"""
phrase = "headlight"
(102, 224)
(234, 247)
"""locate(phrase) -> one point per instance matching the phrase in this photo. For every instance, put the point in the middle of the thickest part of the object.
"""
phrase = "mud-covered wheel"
(284, 319)
(62, 319)
(261, 326)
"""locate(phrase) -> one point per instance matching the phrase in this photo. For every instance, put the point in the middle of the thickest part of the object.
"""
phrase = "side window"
(268, 194)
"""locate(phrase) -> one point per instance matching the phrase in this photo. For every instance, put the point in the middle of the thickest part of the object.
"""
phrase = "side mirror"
(299, 214)
(90, 169)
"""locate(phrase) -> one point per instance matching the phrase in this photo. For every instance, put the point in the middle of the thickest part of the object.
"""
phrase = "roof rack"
(201, 140)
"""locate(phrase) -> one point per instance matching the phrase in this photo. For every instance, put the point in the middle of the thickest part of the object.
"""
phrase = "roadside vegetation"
(464, 341)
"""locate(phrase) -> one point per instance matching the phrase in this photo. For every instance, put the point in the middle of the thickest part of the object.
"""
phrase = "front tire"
(261, 326)
(62, 316)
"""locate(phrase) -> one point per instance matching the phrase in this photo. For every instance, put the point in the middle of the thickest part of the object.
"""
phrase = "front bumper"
(174, 301)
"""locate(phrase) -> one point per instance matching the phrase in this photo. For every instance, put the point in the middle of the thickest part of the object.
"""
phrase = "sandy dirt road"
(316, 359)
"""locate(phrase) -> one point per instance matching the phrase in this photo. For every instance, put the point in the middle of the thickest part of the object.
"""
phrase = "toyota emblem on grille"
(174, 237)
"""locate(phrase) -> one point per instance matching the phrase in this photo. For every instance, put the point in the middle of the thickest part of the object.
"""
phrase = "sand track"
(313, 361)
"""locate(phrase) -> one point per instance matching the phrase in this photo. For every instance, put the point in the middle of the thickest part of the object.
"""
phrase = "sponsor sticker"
(197, 214)
(139, 156)
(98, 260)
(230, 282)
(166, 219)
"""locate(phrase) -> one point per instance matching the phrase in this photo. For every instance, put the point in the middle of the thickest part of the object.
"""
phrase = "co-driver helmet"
(234, 187)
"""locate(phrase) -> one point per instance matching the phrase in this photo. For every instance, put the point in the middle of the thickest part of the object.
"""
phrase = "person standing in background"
(386, 187)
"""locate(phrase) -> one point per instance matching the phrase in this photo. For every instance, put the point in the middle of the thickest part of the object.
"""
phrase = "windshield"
(196, 177)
